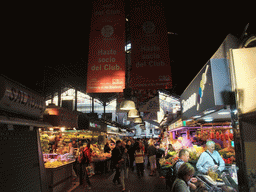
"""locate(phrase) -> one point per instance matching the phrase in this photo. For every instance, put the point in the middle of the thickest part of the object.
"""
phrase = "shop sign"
(150, 53)
(207, 90)
(17, 99)
(106, 60)
(199, 95)
(176, 124)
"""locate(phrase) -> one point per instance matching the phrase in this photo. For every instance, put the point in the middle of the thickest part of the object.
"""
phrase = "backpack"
(84, 158)
(171, 176)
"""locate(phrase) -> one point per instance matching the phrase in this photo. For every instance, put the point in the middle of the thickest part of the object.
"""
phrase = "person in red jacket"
(85, 160)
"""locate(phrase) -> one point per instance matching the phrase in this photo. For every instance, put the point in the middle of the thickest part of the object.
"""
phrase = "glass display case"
(220, 182)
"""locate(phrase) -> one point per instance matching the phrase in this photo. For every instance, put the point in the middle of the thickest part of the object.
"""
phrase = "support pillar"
(75, 99)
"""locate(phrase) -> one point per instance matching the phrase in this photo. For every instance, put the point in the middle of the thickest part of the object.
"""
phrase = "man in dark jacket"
(117, 160)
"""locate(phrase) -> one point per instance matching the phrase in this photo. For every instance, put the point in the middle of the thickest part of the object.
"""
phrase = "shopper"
(185, 173)
(107, 148)
(139, 159)
(85, 160)
(131, 151)
(124, 168)
(183, 158)
(151, 152)
(117, 160)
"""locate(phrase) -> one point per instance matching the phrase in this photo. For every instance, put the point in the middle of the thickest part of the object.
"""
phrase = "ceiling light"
(197, 116)
(133, 113)
(127, 105)
(208, 119)
(138, 120)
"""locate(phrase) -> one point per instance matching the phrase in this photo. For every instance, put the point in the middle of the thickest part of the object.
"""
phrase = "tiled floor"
(103, 183)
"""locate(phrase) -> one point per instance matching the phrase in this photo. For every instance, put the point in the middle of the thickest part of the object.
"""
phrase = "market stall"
(206, 116)
(22, 167)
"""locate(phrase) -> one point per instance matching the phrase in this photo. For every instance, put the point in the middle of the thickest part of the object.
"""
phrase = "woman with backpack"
(85, 160)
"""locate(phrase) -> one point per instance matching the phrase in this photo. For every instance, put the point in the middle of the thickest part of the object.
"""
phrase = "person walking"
(124, 168)
(139, 159)
(85, 160)
(117, 160)
(151, 151)
(131, 151)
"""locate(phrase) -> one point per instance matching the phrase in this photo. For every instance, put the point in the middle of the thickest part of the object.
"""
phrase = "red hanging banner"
(150, 51)
(106, 60)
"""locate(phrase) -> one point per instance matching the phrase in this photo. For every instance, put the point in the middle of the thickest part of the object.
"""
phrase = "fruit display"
(172, 153)
(228, 155)
(199, 149)
(168, 162)
(44, 138)
(97, 153)
(54, 160)
(54, 164)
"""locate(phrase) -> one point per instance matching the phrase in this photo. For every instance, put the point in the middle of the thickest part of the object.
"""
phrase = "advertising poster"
(106, 59)
(150, 51)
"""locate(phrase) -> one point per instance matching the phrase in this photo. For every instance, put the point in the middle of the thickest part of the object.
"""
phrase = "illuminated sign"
(95, 125)
(189, 103)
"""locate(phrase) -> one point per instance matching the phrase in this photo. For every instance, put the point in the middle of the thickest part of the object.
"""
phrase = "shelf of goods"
(59, 171)
(98, 154)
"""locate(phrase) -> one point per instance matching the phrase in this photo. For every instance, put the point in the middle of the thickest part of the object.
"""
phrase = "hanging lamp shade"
(138, 120)
(133, 113)
(127, 105)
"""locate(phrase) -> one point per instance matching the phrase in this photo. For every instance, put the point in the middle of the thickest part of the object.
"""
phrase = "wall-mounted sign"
(208, 89)
(17, 99)
(106, 60)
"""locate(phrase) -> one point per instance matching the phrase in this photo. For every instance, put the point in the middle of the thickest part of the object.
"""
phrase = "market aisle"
(103, 183)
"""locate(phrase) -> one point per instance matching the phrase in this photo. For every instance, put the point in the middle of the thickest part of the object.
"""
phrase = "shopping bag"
(111, 177)
(90, 171)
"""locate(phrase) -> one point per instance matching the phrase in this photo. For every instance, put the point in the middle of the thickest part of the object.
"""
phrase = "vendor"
(210, 158)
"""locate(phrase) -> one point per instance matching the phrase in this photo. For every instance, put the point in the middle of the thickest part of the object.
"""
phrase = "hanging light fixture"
(127, 105)
(133, 113)
(138, 120)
